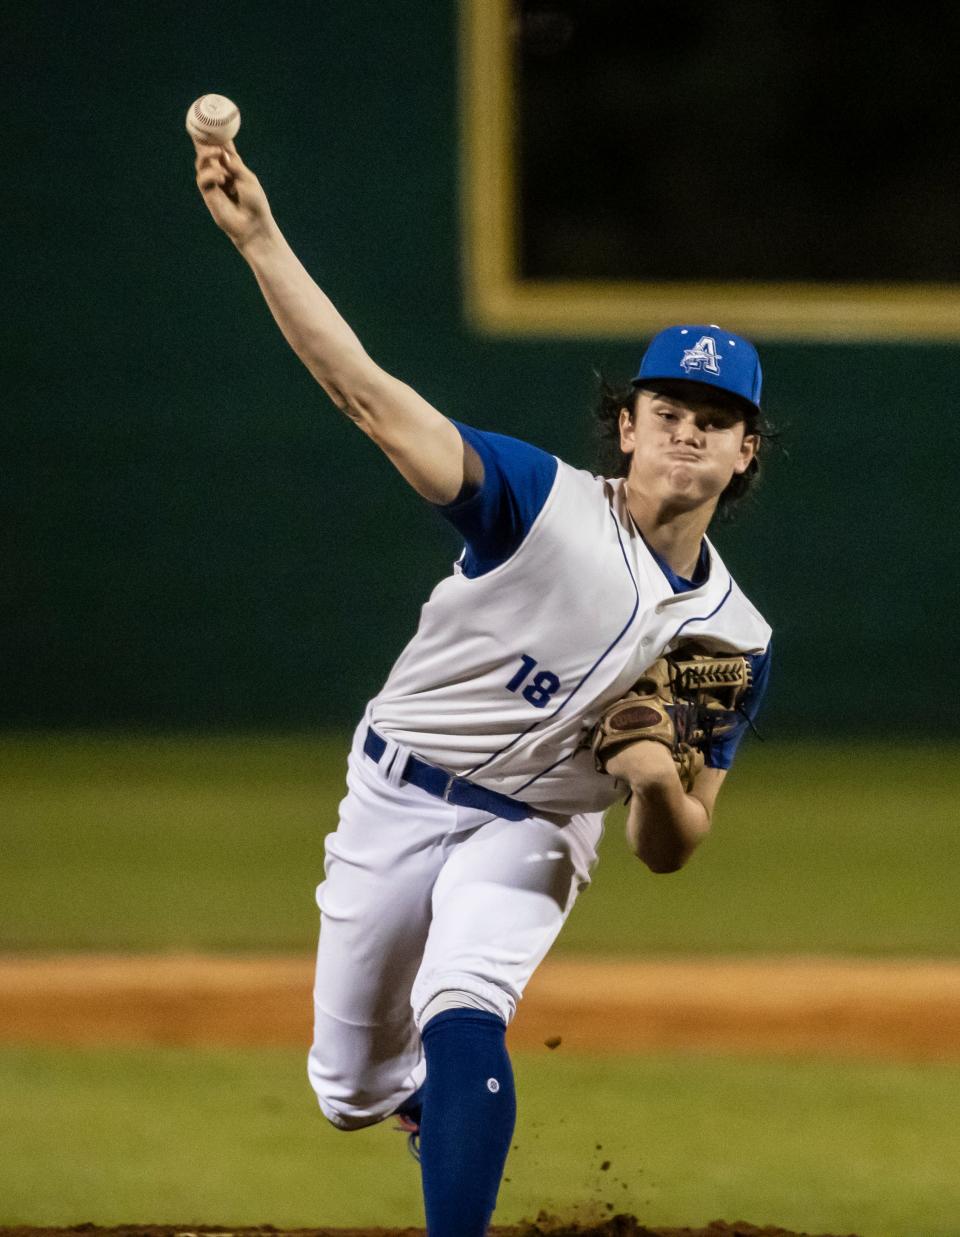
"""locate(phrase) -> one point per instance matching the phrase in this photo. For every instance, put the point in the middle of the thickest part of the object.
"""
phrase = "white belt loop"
(393, 762)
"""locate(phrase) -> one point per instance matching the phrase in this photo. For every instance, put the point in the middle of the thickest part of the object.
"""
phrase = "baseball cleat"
(407, 1125)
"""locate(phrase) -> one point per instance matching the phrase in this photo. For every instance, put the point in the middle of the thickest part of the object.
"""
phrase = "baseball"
(213, 118)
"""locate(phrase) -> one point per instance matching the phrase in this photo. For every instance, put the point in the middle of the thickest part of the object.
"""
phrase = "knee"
(355, 1107)
(356, 1087)
(345, 1119)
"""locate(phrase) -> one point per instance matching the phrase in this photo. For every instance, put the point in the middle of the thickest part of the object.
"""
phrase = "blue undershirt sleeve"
(722, 751)
(494, 519)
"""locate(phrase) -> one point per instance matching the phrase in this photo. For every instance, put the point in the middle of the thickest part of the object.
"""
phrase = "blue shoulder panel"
(722, 751)
(494, 519)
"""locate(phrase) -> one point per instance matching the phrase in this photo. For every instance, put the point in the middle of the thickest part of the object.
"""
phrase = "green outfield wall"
(192, 535)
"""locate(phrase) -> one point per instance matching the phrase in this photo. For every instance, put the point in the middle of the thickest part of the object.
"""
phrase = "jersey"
(518, 652)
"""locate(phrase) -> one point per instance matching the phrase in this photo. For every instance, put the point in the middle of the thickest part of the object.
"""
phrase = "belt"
(447, 786)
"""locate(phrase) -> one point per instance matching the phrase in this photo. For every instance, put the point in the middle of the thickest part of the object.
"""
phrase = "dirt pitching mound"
(616, 1226)
(905, 1010)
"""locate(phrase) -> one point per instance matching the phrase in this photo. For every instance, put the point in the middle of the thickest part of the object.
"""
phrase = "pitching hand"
(233, 194)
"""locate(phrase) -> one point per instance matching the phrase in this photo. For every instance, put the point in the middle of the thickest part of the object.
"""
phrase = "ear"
(749, 449)
(628, 431)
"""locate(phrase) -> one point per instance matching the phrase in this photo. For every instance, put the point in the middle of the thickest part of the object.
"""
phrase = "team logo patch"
(703, 356)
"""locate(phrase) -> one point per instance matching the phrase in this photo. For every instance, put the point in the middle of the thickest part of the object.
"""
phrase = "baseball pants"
(422, 898)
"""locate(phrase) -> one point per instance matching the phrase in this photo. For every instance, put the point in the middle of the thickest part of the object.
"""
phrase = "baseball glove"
(685, 700)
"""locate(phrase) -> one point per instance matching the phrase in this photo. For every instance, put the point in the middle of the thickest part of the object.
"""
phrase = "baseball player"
(479, 774)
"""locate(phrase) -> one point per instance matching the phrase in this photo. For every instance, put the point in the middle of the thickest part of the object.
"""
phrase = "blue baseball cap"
(704, 354)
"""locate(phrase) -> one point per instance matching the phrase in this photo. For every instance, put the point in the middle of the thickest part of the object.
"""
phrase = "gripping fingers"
(209, 178)
(211, 169)
(213, 150)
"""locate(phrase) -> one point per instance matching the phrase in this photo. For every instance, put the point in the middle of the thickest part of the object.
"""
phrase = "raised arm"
(421, 442)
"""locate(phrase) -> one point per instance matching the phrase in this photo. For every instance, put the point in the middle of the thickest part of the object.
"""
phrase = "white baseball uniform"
(552, 612)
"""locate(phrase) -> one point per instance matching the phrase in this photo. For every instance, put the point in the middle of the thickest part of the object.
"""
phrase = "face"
(685, 450)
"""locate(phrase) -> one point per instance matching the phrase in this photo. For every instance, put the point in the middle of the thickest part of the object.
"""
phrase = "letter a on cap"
(703, 356)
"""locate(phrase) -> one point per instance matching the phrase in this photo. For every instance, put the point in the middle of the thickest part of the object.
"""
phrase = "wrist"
(260, 243)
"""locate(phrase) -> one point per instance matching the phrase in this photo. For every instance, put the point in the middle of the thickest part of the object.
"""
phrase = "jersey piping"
(570, 754)
(563, 703)
(702, 618)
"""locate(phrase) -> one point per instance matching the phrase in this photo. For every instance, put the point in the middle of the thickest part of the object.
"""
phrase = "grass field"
(234, 1138)
(218, 844)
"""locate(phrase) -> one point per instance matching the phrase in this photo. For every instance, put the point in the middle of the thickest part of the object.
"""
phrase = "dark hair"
(616, 463)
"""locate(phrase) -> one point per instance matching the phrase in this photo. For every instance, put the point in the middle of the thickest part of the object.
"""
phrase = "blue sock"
(469, 1110)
